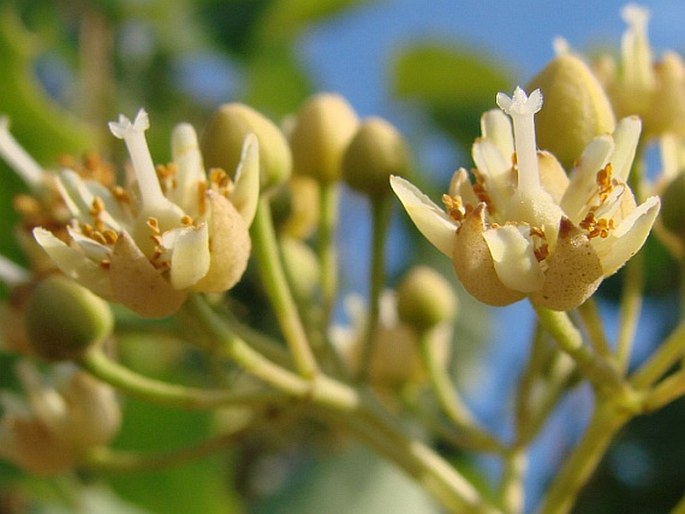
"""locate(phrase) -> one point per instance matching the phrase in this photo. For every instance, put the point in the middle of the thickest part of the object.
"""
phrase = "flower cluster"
(526, 229)
(171, 230)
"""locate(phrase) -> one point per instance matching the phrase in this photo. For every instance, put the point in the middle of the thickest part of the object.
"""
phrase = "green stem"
(592, 320)
(155, 391)
(666, 391)
(104, 459)
(569, 339)
(352, 409)
(631, 306)
(605, 423)
(276, 286)
(511, 491)
(328, 219)
(668, 353)
(449, 399)
(381, 209)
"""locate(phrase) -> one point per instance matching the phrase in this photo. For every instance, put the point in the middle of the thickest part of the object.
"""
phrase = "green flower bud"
(673, 207)
(425, 299)
(301, 265)
(376, 152)
(63, 319)
(324, 127)
(576, 108)
(223, 136)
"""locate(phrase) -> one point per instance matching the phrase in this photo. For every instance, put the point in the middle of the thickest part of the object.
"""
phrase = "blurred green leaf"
(350, 481)
(284, 19)
(276, 84)
(454, 85)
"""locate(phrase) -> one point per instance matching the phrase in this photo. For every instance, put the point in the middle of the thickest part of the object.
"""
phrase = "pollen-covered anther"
(605, 181)
(597, 227)
(455, 207)
(106, 264)
(153, 225)
(110, 236)
(120, 195)
(482, 195)
(220, 182)
(186, 220)
(166, 173)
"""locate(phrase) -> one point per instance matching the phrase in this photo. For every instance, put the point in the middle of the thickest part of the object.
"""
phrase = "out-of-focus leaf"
(454, 85)
(44, 128)
(284, 19)
(353, 481)
(275, 82)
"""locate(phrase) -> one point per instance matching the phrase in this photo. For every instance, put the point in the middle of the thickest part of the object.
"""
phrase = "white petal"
(460, 185)
(495, 169)
(496, 127)
(431, 221)
(78, 195)
(626, 137)
(514, 259)
(583, 184)
(92, 249)
(246, 193)
(74, 263)
(190, 170)
(625, 241)
(189, 255)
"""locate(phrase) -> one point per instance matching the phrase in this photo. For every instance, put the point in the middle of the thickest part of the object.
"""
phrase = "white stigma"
(522, 109)
(133, 135)
(18, 158)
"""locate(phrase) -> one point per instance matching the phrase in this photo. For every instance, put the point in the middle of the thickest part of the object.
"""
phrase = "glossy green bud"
(222, 143)
(673, 207)
(425, 299)
(575, 111)
(64, 319)
(324, 127)
(376, 152)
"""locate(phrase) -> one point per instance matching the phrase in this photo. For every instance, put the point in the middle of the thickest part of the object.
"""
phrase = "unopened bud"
(673, 207)
(324, 127)
(425, 299)
(301, 266)
(222, 143)
(576, 108)
(376, 152)
(64, 319)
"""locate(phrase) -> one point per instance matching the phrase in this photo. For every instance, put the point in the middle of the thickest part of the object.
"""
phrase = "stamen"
(18, 158)
(133, 135)
(522, 109)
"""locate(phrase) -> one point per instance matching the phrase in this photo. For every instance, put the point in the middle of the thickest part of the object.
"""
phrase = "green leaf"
(285, 19)
(454, 85)
(276, 83)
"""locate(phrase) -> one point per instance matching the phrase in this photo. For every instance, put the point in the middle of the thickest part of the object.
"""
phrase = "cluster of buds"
(423, 302)
(50, 431)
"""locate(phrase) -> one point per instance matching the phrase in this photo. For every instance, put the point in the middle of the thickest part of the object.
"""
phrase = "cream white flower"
(47, 432)
(173, 230)
(641, 85)
(524, 228)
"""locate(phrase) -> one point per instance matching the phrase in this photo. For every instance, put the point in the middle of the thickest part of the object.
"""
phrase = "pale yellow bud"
(301, 265)
(64, 319)
(425, 299)
(324, 127)
(222, 143)
(576, 108)
(376, 152)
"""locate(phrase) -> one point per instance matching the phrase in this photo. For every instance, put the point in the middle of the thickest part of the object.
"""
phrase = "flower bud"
(222, 143)
(301, 266)
(673, 207)
(425, 299)
(376, 152)
(64, 319)
(324, 127)
(576, 108)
